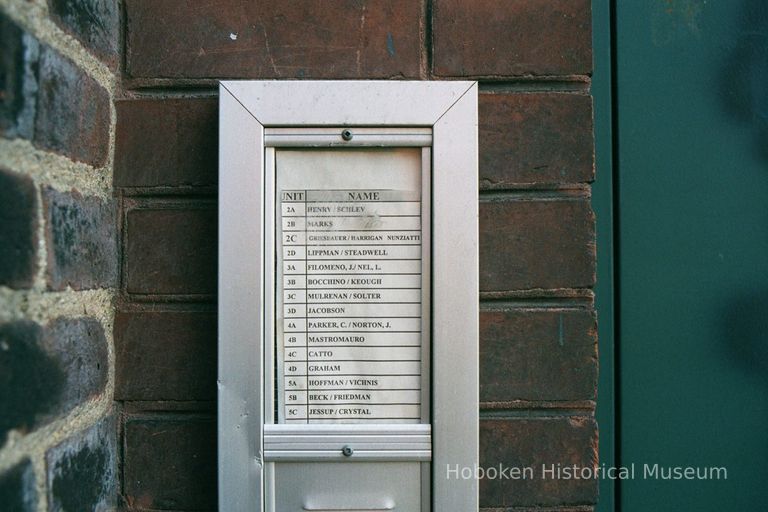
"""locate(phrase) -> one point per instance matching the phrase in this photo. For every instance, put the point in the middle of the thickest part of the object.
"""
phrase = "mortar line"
(42, 306)
(41, 484)
(51, 169)
(37, 442)
(41, 255)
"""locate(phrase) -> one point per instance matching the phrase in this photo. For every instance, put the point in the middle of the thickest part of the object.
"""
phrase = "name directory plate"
(350, 258)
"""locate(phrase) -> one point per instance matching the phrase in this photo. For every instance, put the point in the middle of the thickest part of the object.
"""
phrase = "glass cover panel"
(349, 285)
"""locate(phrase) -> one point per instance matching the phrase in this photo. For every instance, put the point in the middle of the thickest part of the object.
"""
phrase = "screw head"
(347, 451)
(346, 134)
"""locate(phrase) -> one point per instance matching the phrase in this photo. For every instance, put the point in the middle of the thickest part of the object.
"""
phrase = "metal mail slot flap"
(334, 486)
(398, 442)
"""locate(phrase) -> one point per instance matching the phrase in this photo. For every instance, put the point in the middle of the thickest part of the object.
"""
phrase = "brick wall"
(58, 255)
(538, 351)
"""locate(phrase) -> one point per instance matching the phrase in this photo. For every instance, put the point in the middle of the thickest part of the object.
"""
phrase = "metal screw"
(347, 451)
(346, 134)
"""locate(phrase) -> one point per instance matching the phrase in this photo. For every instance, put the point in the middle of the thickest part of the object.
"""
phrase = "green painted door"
(691, 133)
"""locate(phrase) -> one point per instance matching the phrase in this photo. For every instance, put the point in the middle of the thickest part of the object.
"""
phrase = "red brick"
(82, 470)
(45, 372)
(79, 346)
(48, 99)
(171, 251)
(31, 379)
(170, 463)
(17, 487)
(487, 38)
(165, 355)
(18, 80)
(81, 239)
(273, 39)
(95, 23)
(73, 111)
(537, 355)
(533, 442)
(535, 139)
(166, 142)
(531, 244)
(18, 234)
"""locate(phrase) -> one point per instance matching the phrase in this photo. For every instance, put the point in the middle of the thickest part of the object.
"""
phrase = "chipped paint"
(390, 45)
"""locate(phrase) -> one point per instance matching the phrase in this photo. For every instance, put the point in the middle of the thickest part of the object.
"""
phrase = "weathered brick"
(17, 488)
(94, 22)
(81, 240)
(273, 39)
(544, 355)
(80, 349)
(168, 142)
(527, 244)
(171, 251)
(184, 478)
(31, 380)
(46, 372)
(165, 355)
(18, 80)
(46, 98)
(534, 442)
(486, 38)
(535, 139)
(82, 471)
(72, 111)
(18, 230)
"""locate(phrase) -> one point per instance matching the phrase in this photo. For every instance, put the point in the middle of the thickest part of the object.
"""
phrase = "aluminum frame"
(246, 108)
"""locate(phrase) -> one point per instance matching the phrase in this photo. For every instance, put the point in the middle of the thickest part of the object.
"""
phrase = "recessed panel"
(327, 486)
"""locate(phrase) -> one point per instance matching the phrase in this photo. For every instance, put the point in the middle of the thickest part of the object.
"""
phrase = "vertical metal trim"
(240, 312)
(426, 314)
(426, 283)
(455, 304)
(271, 303)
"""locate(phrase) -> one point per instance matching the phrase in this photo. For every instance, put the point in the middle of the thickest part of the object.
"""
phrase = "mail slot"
(347, 296)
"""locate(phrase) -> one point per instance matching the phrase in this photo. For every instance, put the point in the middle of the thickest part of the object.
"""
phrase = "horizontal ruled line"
(347, 245)
(334, 302)
(337, 317)
(353, 375)
(330, 361)
(414, 201)
(334, 418)
(351, 332)
(356, 275)
(358, 388)
(361, 259)
(363, 216)
(348, 230)
(372, 418)
(355, 289)
(366, 346)
(337, 404)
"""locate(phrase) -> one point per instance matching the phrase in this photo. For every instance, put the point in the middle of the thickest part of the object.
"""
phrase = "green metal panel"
(692, 106)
